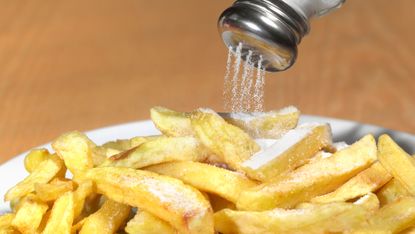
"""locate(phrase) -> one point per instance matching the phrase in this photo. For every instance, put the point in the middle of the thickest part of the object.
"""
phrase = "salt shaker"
(271, 29)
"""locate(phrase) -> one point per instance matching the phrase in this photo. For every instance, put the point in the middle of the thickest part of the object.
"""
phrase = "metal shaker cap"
(269, 28)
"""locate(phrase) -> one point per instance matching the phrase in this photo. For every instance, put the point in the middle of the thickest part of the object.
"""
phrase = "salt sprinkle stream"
(244, 92)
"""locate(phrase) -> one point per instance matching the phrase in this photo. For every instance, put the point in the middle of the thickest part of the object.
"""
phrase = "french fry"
(6, 224)
(225, 140)
(312, 179)
(314, 219)
(369, 201)
(34, 158)
(144, 222)
(61, 217)
(219, 203)
(123, 145)
(397, 162)
(51, 191)
(159, 150)
(366, 181)
(76, 149)
(42, 174)
(108, 219)
(29, 215)
(225, 183)
(292, 150)
(391, 192)
(182, 206)
(170, 122)
(85, 188)
(272, 124)
(392, 218)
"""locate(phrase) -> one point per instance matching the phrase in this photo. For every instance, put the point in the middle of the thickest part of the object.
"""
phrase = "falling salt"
(228, 84)
(235, 79)
(259, 88)
(244, 92)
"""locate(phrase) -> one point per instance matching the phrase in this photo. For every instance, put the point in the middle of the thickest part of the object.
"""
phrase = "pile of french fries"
(216, 172)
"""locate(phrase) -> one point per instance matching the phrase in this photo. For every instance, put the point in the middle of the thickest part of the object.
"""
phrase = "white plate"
(13, 171)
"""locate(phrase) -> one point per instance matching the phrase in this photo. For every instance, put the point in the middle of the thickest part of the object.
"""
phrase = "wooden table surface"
(80, 65)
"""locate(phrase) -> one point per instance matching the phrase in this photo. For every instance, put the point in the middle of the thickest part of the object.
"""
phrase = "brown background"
(78, 64)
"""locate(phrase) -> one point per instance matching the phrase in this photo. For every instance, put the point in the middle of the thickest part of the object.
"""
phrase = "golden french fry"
(225, 140)
(34, 158)
(391, 192)
(322, 218)
(397, 162)
(6, 224)
(182, 206)
(29, 215)
(392, 218)
(369, 201)
(159, 150)
(61, 217)
(42, 174)
(219, 203)
(51, 191)
(85, 188)
(144, 222)
(292, 150)
(6, 220)
(312, 179)
(225, 183)
(366, 181)
(272, 124)
(76, 150)
(170, 122)
(126, 144)
(107, 219)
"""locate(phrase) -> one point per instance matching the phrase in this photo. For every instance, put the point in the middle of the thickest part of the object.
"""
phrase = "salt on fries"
(224, 172)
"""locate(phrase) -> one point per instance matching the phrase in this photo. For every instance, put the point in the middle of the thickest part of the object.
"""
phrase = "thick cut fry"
(76, 150)
(34, 158)
(61, 217)
(51, 191)
(170, 122)
(6, 224)
(107, 220)
(392, 218)
(6, 220)
(159, 150)
(225, 140)
(225, 183)
(292, 150)
(272, 124)
(144, 222)
(369, 201)
(391, 192)
(323, 218)
(182, 206)
(366, 181)
(85, 189)
(126, 144)
(42, 174)
(311, 179)
(397, 162)
(29, 215)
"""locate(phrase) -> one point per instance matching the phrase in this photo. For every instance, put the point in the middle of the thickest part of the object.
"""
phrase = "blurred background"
(80, 65)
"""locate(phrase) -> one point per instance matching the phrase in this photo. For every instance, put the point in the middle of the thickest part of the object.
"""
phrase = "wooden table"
(67, 65)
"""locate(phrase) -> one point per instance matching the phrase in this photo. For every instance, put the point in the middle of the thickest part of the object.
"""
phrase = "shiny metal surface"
(270, 28)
